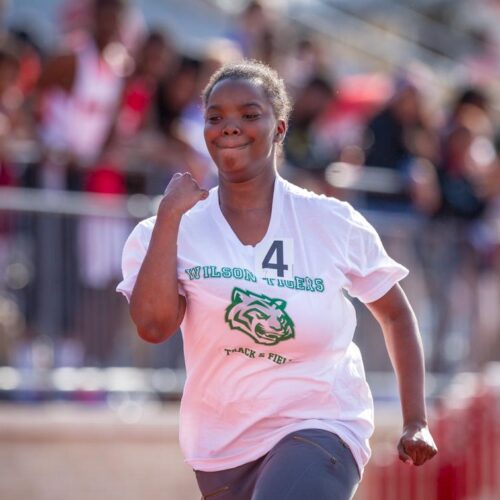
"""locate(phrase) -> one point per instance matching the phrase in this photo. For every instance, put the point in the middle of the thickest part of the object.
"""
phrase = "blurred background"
(396, 110)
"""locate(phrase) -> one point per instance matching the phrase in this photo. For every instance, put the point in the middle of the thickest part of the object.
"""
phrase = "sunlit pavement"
(62, 451)
(123, 450)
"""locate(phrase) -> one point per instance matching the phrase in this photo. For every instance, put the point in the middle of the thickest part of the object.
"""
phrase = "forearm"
(402, 338)
(405, 350)
(155, 305)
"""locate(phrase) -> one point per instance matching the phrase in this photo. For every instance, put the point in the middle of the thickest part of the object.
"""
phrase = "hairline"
(254, 79)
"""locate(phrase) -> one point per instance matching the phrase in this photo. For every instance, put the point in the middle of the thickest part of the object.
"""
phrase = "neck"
(253, 194)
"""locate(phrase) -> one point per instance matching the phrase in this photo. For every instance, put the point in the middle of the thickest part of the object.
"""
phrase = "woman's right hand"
(416, 445)
(181, 194)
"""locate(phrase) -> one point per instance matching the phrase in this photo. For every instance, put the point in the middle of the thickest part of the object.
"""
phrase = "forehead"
(238, 92)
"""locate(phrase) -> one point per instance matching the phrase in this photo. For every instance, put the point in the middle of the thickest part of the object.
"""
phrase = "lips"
(231, 145)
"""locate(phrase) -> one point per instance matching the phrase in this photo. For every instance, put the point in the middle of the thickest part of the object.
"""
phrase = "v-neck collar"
(273, 221)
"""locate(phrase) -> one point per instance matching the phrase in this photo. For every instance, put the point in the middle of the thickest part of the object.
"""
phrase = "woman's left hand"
(416, 445)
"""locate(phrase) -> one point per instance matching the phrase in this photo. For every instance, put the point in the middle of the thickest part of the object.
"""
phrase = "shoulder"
(142, 231)
(194, 216)
(147, 224)
(320, 205)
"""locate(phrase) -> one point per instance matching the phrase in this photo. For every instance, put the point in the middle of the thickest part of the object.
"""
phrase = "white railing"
(60, 258)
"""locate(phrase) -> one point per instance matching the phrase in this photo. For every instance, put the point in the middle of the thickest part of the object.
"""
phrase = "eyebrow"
(244, 105)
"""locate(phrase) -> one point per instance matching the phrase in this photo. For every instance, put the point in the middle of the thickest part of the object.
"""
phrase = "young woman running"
(275, 405)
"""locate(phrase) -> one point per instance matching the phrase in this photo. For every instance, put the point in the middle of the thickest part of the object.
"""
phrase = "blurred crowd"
(116, 109)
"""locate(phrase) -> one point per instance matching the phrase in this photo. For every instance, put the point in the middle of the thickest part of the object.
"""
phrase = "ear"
(281, 128)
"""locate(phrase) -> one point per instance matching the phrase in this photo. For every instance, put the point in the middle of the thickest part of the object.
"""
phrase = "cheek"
(265, 136)
(208, 134)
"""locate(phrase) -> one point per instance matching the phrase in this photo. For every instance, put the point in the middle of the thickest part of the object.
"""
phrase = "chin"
(234, 171)
(231, 162)
(235, 175)
(238, 177)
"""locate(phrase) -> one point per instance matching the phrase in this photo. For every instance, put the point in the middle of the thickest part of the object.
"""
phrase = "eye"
(251, 116)
(213, 119)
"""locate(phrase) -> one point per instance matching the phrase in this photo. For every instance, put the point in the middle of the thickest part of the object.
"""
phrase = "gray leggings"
(307, 464)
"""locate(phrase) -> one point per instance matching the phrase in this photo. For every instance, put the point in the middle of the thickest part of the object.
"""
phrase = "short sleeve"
(370, 272)
(133, 254)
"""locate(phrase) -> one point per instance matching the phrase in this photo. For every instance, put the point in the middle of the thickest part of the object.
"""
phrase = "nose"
(230, 128)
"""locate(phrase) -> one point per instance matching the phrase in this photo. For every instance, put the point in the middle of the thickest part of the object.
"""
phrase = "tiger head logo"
(260, 317)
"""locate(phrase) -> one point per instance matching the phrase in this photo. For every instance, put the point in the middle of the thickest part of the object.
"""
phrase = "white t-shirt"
(268, 330)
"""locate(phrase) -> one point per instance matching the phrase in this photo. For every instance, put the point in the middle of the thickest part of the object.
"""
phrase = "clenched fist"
(181, 194)
(416, 445)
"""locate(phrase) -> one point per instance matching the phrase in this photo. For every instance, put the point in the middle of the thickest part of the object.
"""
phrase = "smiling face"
(241, 129)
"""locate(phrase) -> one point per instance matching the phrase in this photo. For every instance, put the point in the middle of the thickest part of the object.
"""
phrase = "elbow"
(153, 334)
(154, 324)
(151, 329)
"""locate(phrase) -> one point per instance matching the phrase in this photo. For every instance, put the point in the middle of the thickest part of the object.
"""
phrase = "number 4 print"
(275, 252)
(276, 261)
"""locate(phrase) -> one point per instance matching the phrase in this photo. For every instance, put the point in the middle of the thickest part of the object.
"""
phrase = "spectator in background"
(400, 138)
(16, 124)
(156, 58)
(79, 96)
(175, 94)
(19, 69)
(305, 155)
(131, 135)
(30, 61)
(302, 63)
(488, 346)
(9, 107)
(253, 32)
(75, 20)
(10, 100)
(19, 147)
(453, 253)
(467, 152)
(77, 101)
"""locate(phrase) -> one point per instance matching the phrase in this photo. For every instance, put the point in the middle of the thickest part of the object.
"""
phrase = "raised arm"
(156, 307)
(402, 338)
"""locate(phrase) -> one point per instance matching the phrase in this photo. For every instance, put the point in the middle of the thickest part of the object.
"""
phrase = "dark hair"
(472, 95)
(166, 112)
(320, 83)
(256, 72)
(8, 56)
(104, 4)
(156, 37)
